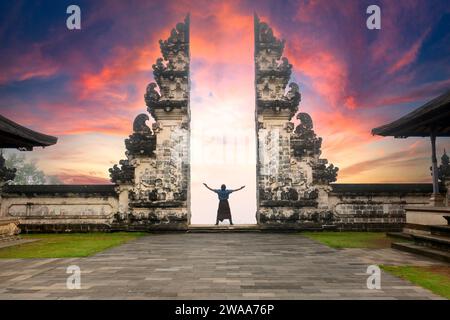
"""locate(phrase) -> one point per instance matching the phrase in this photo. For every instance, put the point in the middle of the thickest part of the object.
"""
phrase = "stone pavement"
(212, 266)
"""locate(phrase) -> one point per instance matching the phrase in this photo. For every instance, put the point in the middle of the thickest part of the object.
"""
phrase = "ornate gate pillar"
(153, 182)
(292, 179)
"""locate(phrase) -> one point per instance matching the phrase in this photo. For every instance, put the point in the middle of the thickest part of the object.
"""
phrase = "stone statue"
(177, 41)
(139, 124)
(306, 123)
(266, 33)
(124, 174)
(304, 141)
(142, 141)
(293, 95)
(285, 65)
(159, 67)
(323, 174)
(151, 95)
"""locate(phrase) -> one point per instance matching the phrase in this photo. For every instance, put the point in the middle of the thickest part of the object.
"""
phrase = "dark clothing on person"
(223, 212)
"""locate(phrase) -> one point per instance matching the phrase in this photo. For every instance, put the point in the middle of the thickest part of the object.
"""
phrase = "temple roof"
(13, 135)
(434, 116)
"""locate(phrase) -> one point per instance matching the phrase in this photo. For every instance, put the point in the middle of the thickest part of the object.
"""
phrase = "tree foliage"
(27, 172)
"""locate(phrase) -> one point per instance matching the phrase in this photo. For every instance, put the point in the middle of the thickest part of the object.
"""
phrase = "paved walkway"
(212, 266)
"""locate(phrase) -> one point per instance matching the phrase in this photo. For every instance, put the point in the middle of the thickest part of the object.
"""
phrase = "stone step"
(399, 235)
(434, 241)
(423, 251)
(440, 230)
(223, 228)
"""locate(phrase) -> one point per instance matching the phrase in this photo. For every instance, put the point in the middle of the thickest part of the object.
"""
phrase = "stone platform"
(213, 266)
(211, 228)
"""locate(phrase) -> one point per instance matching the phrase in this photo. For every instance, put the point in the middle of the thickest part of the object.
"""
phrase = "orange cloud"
(411, 156)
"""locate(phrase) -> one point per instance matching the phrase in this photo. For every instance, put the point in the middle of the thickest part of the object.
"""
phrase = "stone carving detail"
(293, 180)
(293, 96)
(142, 141)
(6, 174)
(289, 127)
(171, 74)
(159, 67)
(153, 183)
(52, 210)
(151, 96)
(124, 174)
(304, 141)
(156, 192)
(178, 41)
(156, 127)
(273, 72)
(323, 174)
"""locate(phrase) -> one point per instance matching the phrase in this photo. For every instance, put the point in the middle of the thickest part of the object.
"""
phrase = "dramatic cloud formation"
(86, 86)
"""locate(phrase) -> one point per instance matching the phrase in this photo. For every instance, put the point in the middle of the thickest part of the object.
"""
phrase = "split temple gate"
(151, 185)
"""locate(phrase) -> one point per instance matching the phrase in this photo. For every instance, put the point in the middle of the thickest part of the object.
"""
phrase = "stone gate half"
(292, 180)
(153, 182)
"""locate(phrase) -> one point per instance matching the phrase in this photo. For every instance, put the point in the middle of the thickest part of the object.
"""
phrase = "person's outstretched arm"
(209, 188)
(239, 189)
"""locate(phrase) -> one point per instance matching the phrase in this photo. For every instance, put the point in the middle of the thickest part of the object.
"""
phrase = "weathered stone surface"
(272, 74)
(122, 174)
(142, 142)
(304, 141)
(60, 210)
(153, 183)
(372, 207)
(171, 74)
(74, 211)
(292, 179)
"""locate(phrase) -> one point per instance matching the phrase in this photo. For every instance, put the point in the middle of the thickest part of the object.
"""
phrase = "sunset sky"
(86, 86)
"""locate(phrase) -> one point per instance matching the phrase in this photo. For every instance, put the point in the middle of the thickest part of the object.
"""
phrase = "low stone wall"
(375, 207)
(60, 208)
(87, 208)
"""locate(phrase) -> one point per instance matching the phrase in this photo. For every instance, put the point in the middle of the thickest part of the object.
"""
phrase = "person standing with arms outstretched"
(223, 212)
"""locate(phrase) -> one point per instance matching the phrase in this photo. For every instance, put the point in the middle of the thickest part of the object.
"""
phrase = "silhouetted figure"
(223, 212)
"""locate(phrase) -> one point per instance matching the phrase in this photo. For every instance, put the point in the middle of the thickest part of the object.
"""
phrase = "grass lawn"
(66, 245)
(350, 239)
(435, 279)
